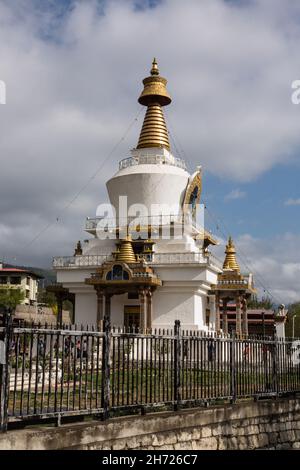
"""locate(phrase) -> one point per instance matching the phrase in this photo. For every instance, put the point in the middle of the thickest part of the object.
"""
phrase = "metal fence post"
(106, 366)
(275, 364)
(4, 375)
(177, 365)
(233, 368)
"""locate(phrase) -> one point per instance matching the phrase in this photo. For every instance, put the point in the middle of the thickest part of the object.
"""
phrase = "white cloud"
(292, 202)
(70, 99)
(235, 194)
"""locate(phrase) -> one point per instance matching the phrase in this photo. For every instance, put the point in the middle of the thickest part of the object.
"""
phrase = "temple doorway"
(132, 316)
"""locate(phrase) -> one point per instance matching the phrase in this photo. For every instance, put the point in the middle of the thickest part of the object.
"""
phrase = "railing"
(232, 282)
(186, 258)
(133, 222)
(152, 160)
(154, 259)
(229, 283)
(79, 261)
(179, 258)
(52, 373)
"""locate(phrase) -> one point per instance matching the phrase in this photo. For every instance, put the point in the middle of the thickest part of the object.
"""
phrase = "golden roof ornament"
(230, 258)
(125, 253)
(154, 132)
(78, 249)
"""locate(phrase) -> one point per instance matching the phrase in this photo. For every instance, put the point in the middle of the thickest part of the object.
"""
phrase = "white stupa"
(150, 270)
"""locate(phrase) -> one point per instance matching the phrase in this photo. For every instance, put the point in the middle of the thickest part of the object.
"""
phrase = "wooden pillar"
(143, 305)
(245, 316)
(100, 296)
(217, 314)
(73, 300)
(238, 316)
(107, 305)
(107, 311)
(224, 317)
(149, 309)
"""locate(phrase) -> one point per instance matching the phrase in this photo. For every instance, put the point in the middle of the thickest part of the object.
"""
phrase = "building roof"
(19, 271)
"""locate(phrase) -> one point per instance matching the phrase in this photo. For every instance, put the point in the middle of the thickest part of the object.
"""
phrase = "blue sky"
(260, 208)
(73, 71)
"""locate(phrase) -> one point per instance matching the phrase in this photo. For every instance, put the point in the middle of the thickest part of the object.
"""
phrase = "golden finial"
(154, 70)
(125, 253)
(154, 132)
(155, 90)
(230, 258)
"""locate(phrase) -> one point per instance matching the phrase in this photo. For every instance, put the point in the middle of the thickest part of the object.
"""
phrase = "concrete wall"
(252, 425)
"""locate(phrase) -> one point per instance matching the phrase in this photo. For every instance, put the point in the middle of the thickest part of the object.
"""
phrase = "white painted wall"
(148, 185)
(212, 306)
(199, 311)
(86, 308)
(169, 306)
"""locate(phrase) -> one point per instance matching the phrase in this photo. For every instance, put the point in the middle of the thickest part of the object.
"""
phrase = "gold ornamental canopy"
(154, 132)
(230, 258)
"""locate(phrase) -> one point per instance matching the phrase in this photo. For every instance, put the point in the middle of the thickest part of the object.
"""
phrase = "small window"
(117, 274)
(16, 280)
(3, 280)
(28, 280)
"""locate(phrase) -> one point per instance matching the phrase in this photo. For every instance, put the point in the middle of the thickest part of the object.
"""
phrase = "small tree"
(293, 311)
(10, 297)
(49, 299)
(264, 303)
(46, 298)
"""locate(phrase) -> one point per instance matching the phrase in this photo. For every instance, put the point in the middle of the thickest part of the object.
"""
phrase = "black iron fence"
(53, 373)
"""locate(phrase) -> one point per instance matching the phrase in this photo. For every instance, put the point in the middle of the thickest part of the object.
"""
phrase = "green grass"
(135, 387)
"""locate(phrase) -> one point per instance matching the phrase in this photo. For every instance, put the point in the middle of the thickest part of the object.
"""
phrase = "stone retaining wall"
(251, 425)
(30, 313)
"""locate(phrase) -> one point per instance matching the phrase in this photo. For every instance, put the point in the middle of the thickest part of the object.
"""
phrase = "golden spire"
(154, 132)
(230, 258)
(125, 254)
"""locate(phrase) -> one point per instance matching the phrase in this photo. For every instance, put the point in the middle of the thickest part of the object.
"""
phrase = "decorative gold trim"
(194, 182)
